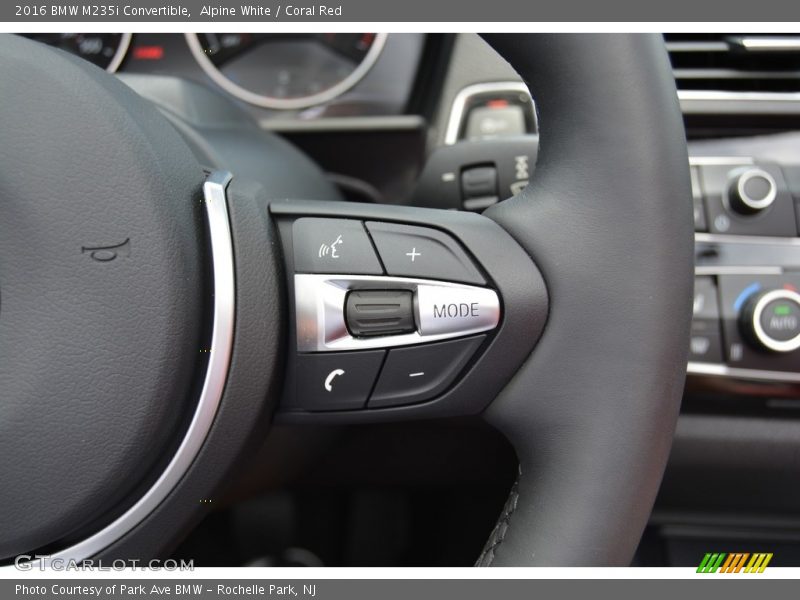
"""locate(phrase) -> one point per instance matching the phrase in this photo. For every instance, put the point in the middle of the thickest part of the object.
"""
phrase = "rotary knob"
(771, 320)
(751, 190)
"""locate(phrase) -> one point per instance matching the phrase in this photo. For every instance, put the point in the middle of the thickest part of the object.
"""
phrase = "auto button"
(772, 320)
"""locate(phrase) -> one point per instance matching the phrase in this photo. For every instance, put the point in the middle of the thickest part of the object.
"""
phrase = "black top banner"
(472, 11)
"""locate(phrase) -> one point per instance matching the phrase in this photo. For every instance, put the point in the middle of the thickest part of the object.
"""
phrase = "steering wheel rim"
(592, 457)
(607, 220)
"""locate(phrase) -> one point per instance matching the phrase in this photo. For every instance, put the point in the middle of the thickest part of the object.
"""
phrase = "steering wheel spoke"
(401, 313)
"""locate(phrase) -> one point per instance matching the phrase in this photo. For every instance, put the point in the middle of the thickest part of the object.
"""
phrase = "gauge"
(286, 70)
(106, 50)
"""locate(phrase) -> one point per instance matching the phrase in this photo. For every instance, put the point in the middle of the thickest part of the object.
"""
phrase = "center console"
(746, 322)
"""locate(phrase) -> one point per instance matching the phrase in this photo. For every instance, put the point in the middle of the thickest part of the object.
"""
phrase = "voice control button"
(333, 246)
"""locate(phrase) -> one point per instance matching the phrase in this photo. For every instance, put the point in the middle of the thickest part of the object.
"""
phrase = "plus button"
(413, 254)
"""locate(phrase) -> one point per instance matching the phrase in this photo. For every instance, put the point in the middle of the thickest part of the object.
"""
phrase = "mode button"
(456, 309)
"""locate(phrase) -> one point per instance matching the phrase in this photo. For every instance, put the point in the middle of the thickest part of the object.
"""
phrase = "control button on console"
(409, 251)
(772, 320)
(705, 347)
(443, 309)
(751, 190)
(747, 200)
(336, 381)
(698, 202)
(333, 246)
(419, 373)
(705, 344)
(780, 318)
(699, 215)
(705, 304)
(758, 321)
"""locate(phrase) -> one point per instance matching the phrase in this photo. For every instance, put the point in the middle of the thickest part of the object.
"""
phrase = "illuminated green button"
(780, 320)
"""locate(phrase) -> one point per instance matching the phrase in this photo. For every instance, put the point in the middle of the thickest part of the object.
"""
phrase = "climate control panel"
(746, 321)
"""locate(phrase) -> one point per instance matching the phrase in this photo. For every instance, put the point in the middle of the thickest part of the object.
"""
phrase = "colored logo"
(737, 562)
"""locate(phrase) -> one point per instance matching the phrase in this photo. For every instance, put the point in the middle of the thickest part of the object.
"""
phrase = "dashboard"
(277, 78)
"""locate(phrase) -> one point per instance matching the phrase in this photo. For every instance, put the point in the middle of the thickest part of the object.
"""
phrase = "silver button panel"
(443, 310)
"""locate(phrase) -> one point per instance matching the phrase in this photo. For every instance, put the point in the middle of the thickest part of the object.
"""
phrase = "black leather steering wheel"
(147, 309)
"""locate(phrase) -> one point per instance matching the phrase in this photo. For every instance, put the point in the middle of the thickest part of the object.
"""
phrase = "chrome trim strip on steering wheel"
(320, 311)
(215, 200)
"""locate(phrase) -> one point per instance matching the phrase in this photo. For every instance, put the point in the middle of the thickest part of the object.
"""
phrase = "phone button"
(336, 381)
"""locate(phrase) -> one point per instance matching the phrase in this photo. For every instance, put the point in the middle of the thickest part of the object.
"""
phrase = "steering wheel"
(155, 317)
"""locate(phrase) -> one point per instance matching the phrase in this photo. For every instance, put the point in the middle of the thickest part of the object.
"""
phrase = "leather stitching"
(501, 528)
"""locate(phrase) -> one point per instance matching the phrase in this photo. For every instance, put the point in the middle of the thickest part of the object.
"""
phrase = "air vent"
(735, 62)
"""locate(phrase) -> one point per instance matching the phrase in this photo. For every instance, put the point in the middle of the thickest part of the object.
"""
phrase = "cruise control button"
(420, 373)
(337, 381)
(456, 309)
(409, 251)
(333, 246)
